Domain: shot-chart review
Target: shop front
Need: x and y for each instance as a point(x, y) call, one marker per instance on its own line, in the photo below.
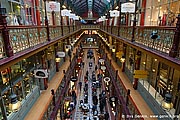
point(18, 85)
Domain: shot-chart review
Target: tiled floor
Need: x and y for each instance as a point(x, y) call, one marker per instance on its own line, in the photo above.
point(40, 106)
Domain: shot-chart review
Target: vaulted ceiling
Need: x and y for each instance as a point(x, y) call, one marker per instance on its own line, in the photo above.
point(83, 7)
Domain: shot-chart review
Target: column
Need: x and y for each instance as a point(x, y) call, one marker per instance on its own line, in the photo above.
point(174, 50)
point(53, 18)
point(124, 55)
point(5, 33)
point(137, 67)
point(143, 6)
point(37, 12)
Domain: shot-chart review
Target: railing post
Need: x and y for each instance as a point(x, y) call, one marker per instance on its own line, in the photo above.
point(174, 50)
point(116, 75)
point(5, 33)
point(127, 97)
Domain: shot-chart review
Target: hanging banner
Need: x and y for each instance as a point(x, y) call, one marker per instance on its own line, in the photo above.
point(65, 12)
point(128, 7)
point(60, 54)
point(114, 13)
point(41, 73)
point(52, 6)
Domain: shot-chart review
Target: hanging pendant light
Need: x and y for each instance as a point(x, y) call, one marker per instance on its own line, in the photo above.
point(167, 102)
point(15, 104)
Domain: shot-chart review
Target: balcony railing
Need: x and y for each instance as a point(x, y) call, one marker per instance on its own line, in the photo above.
point(25, 37)
point(143, 36)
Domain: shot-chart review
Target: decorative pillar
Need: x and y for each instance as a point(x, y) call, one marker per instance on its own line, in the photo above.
point(134, 22)
point(177, 112)
point(119, 117)
point(3, 110)
point(127, 97)
point(116, 75)
point(127, 18)
point(174, 50)
point(53, 18)
point(53, 99)
point(62, 25)
point(142, 12)
point(119, 18)
point(124, 55)
point(44, 65)
point(37, 13)
point(57, 57)
point(64, 50)
point(5, 33)
point(46, 22)
point(137, 67)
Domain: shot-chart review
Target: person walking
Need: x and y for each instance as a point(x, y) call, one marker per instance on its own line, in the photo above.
point(106, 116)
point(80, 85)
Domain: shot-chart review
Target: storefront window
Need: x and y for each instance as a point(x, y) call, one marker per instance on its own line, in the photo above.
point(1, 115)
point(27, 84)
point(6, 99)
point(130, 59)
point(17, 89)
point(161, 12)
point(16, 70)
point(4, 78)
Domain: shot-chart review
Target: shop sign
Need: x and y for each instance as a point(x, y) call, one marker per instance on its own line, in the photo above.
point(68, 47)
point(114, 13)
point(73, 79)
point(140, 74)
point(41, 73)
point(113, 99)
point(65, 12)
point(52, 6)
point(60, 54)
point(101, 60)
point(107, 79)
point(103, 68)
point(128, 7)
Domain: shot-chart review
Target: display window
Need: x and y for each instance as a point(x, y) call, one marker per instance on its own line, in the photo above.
point(130, 59)
point(1, 115)
point(2, 50)
point(160, 79)
point(4, 79)
point(161, 12)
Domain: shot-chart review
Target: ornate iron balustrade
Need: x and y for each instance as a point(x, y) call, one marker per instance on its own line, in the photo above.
point(25, 37)
point(55, 31)
point(163, 43)
point(71, 29)
point(143, 36)
point(65, 30)
point(30, 36)
point(22, 38)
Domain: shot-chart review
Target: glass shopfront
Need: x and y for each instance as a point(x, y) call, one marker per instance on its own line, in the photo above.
point(130, 55)
point(161, 79)
point(18, 79)
point(161, 12)
point(1, 115)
